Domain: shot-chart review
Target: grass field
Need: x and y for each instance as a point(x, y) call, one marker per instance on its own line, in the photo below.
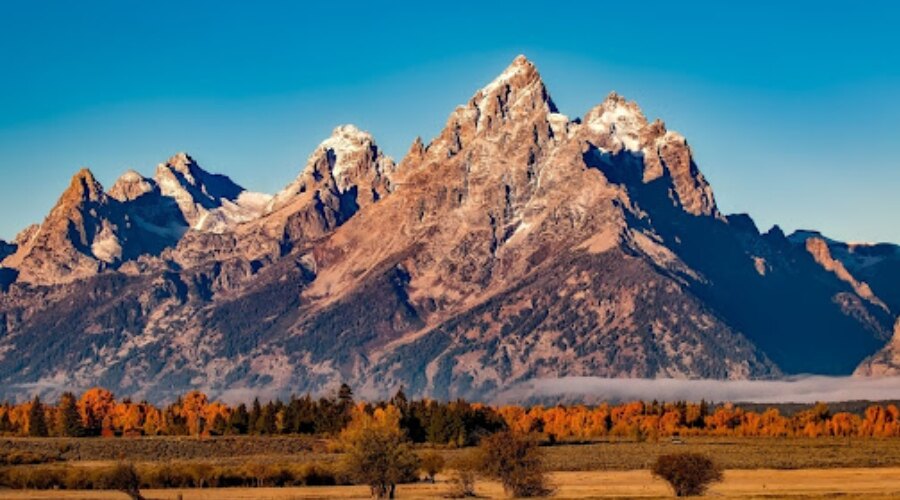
point(731, 453)
point(770, 484)
point(755, 467)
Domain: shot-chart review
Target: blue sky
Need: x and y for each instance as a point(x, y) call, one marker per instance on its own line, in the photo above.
point(791, 110)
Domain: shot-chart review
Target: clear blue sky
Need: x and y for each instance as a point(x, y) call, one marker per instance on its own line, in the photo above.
point(791, 110)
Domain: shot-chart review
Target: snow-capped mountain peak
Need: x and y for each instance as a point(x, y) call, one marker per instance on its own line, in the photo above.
point(130, 186)
point(349, 158)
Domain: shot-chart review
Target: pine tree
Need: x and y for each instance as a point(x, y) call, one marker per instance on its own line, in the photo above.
point(345, 395)
point(266, 423)
point(239, 422)
point(344, 407)
point(255, 414)
point(68, 421)
point(219, 426)
point(400, 401)
point(306, 415)
point(37, 424)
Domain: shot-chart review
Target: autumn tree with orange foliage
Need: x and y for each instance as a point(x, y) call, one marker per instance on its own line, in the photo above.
point(455, 423)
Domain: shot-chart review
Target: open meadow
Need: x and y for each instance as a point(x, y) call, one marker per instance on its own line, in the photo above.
point(615, 468)
point(607, 454)
point(850, 483)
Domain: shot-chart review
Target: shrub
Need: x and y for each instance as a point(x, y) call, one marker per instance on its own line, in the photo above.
point(432, 463)
point(33, 478)
point(168, 476)
point(22, 457)
point(516, 461)
point(689, 474)
point(378, 453)
point(463, 477)
point(124, 478)
point(315, 475)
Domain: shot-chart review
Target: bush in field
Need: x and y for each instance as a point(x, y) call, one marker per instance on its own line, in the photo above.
point(177, 475)
point(689, 474)
point(377, 452)
point(22, 457)
point(432, 463)
point(315, 475)
point(33, 478)
point(462, 479)
point(124, 478)
point(168, 476)
point(516, 461)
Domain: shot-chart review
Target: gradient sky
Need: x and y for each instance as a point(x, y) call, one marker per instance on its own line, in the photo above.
point(791, 110)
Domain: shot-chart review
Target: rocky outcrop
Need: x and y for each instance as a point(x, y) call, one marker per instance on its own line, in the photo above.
point(131, 186)
point(76, 240)
point(344, 174)
point(885, 362)
point(876, 265)
point(818, 248)
point(208, 202)
point(619, 126)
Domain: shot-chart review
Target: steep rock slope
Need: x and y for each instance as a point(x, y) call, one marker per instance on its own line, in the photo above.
point(885, 362)
point(346, 172)
point(90, 230)
point(75, 240)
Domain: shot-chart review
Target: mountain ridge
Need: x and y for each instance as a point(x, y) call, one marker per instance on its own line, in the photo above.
point(516, 244)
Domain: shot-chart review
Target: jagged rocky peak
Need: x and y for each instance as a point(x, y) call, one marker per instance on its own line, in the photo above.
point(73, 239)
point(131, 186)
point(517, 92)
point(619, 126)
point(195, 190)
point(348, 163)
point(78, 203)
point(83, 188)
point(516, 100)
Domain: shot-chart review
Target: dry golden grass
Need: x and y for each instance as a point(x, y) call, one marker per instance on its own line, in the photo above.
point(730, 452)
point(856, 483)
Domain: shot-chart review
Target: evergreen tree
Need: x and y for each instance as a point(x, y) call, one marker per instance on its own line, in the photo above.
point(255, 414)
point(37, 424)
point(219, 425)
point(344, 407)
point(345, 395)
point(239, 421)
point(266, 423)
point(306, 414)
point(400, 401)
point(68, 421)
point(6, 426)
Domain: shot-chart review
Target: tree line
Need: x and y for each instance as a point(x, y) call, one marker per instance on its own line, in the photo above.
point(97, 412)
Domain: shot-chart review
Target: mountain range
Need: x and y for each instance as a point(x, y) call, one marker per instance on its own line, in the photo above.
point(518, 244)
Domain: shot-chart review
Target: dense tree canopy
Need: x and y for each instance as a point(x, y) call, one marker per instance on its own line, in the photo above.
point(455, 423)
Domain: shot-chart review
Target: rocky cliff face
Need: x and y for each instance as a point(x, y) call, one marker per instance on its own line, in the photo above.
point(885, 362)
point(518, 243)
point(76, 240)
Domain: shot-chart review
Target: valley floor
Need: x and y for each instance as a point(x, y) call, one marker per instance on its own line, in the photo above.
point(755, 467)
point(849, 483)
point(606, 454)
